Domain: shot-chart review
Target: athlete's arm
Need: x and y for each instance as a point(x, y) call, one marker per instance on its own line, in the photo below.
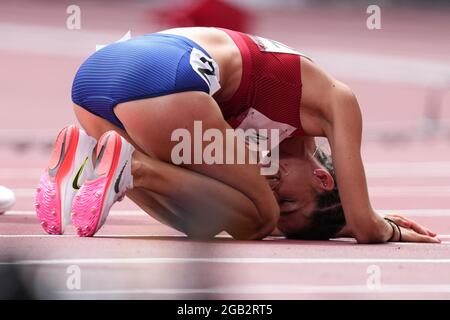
point(344, 134)
point(330, 109)
point(341, 122)
point(411, 231)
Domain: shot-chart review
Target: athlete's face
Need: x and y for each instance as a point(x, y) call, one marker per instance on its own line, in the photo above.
point(295, 186)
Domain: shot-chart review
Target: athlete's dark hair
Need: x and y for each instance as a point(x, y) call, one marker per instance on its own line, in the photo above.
point(328, 218)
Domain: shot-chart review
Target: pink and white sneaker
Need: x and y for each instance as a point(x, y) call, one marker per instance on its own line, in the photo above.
point(112, 178)
point(69, 166)
point(7, 199)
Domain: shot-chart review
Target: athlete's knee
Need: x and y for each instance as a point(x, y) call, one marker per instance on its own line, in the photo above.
point(259, 225)
point(269, 213)
point(200, 234)
point(258, 232)
point(267, 223)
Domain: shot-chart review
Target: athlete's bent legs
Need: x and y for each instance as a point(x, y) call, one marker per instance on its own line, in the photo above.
point(199, 200)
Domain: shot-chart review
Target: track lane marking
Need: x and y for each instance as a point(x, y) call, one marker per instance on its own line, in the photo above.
point(146, 261)
point(432, 169)
point(432, 191)
point(406, 212)
point(152, 235)
point(271, 289)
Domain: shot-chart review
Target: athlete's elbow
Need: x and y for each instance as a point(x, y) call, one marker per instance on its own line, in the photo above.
point(343, 101)
point(345, 94)
point(258, 233)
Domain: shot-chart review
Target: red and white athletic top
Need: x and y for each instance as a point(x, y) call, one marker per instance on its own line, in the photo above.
point(270, 90)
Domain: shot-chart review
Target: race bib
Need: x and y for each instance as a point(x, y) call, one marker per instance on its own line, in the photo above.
point(268, 45)
point(264, 130)
point(206, 68)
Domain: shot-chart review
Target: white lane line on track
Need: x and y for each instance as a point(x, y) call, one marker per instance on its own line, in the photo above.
point(21, 173)
point(417, 212)
point(410, 191)
point(385, 191)
point(153, 235)
point(148, 235)
point(438, 169)
point(270, 289)
point(101, 236)
point(383, 68)
point(443, 237)
point(128, 213)
point(146, 261)
point(408, 169)
point(52, 41)
point(118, 213)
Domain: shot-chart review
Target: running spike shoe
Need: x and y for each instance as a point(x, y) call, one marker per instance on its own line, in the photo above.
point(69, 166)
point(112, 178)
point(7, 199)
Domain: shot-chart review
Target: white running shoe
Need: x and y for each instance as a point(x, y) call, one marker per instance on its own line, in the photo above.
point(7, 199)
point(112, 171)
point(69, 167)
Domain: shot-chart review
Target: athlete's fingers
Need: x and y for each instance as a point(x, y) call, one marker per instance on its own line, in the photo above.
point(408, 223)
point(400, 219)
point(409, 235)
point(428, 239)
point(402, 222)
point(430, 233)
point(413, 225)
point(418, 228)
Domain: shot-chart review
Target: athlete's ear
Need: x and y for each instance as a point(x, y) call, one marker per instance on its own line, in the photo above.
point(322, 180)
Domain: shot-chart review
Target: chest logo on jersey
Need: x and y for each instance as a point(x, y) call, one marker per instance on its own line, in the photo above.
point(206, 68)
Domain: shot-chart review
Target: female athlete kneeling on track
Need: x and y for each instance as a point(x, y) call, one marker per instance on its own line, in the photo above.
point(147, 88)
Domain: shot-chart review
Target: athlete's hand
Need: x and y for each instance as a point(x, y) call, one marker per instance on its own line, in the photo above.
point(411, 224)
point(412, 231)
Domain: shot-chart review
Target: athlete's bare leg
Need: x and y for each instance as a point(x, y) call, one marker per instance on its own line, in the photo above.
point(202, 204)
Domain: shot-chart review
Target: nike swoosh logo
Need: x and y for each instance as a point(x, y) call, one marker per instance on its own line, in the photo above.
point(116, 185)
point(77, 176)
